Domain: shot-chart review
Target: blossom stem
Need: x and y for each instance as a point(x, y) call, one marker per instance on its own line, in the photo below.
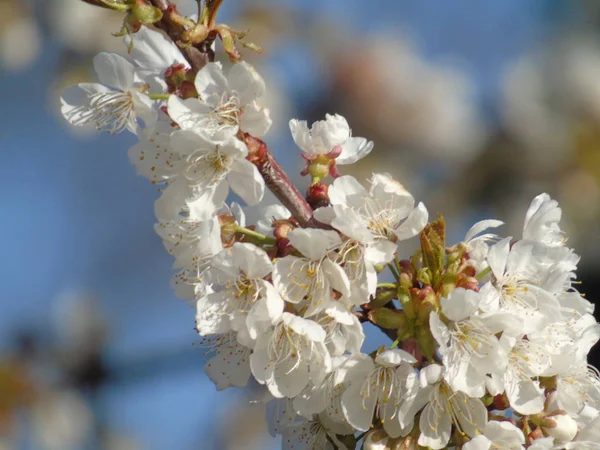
point(483, 273)
point(159, 96)
point(257, 237)
point(280, 184)
point(387, 285)
point(394, 271)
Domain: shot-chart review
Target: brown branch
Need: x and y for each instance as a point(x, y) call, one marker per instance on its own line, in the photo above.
point(280, 184)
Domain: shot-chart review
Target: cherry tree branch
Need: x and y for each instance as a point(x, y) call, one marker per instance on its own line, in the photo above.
point(275, 177)
point(280, 184)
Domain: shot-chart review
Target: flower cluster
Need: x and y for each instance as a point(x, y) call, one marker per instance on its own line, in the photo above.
point(489, 336)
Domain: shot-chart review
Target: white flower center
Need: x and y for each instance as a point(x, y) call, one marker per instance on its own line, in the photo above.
point(526, 355)
point(244, 291)
point(383, 220)
point(311, 282)
point(287, 345)
point(225, 114)
point(110, 111)
point(471, 337)
point(208, 168)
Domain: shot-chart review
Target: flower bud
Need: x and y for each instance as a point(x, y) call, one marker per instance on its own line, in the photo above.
point(146, 14)
point(424, 275)
point(426, 341)
point(406, 280)
point(561, 427)
point(382, 297)
point(281, 228)
point(317, 196)
point(387, 318)
point(501, 402)
point(427, 302)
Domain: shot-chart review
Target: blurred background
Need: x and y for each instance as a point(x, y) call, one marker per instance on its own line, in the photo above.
point(475, 106)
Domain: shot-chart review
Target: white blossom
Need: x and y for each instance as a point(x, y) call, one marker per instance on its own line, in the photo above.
point(445, 408)
point(331, 137)
point(289, 355)
point(226, 104)
point(385, 386)
point(114, 104)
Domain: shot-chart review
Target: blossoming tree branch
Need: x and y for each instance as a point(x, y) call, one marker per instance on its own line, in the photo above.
point(488, 337)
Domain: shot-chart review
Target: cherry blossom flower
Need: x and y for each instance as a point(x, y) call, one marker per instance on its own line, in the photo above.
point(225, 105)
point(114, 104)
point(289, 355)
point(385, 386)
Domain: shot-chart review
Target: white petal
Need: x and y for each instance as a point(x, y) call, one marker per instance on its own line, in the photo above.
point(113, 70)
point(205, 202)
point(313, 243)
point(246, 181)
point(210, 80)
point(358, 410)
point(252, 260)
point(354, 149)
point(343, 187)
point(187, 112)
point(244, 79)
point(478, 443)
point(480, 227)
point(380, 252)
point(337, 276)
point(255, 120)
point(414, 223)
point(498, 256)
point(153, 51)
point(435, 425)
point(304, 327)
point(393, 358)
point(75, 101)
point(460, 304)
point(301, 135)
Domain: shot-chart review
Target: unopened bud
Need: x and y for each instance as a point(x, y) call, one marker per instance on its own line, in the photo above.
point(281, 228)
point(561, 427)
point(424, 275)
point(317, 195)
point(406, 280)
point(427, 302)
point(387, 318)
point(426, 342)
point(382, 297)
point(467, 282)
point(501, 402)
point(405, 266)
point(408, 306)
point(228, 224)
point(411, 345)
point(145, 14)
point(448, 284)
